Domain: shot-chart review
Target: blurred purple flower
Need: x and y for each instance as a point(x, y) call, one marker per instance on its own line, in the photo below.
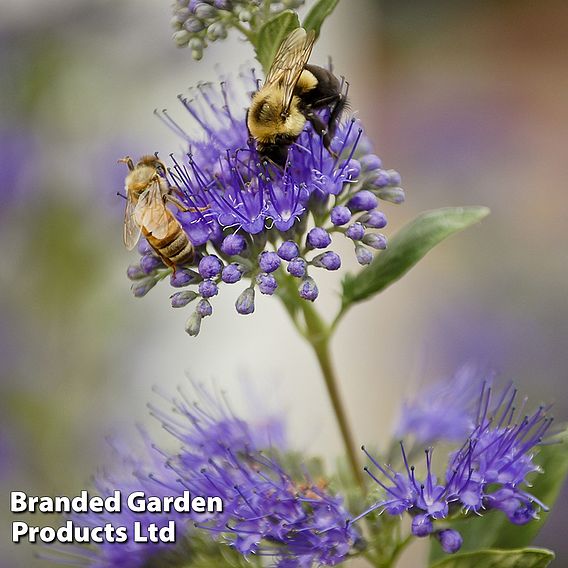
point(20, 175)
point(444, 410)
point(149, 473)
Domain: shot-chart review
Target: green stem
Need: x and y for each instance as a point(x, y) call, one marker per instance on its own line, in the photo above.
point(320, 346)
point(318, 334)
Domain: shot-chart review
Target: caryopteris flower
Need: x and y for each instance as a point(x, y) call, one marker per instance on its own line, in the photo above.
point(267, 510)
point(489, 471)
point(251, 220)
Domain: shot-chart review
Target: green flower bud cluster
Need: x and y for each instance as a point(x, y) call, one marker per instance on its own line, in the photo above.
point(197, 22)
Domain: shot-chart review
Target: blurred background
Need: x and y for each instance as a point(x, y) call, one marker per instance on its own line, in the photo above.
point(467, 100)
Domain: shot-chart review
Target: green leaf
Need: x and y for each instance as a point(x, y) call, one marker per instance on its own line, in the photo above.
point(317, 15)
point(494, 530)
point(271, 35)
point(521, 558)
point(406, 248)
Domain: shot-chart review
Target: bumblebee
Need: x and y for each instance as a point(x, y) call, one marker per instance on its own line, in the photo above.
point(147, 192)
point(292, 93)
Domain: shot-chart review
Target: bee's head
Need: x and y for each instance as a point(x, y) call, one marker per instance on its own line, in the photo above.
point(154, 162)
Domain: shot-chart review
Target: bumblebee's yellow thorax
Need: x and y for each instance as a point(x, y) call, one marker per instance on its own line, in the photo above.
point(265, 120)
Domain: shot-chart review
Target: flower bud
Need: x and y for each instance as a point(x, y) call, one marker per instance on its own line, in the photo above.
point(340, 215)
point(231, 274)
point(144, 248)
point(288, 250)
point(376, 241)
point(374, 219)
point(135, 272)
point(394, 177)
point(297, 267)
point(350, 170)
point(193, 324)
point(266, 284)
point(181, 278)
point(392, 194)
point(210, 266)
point(216, 30)
point(450, 539)
point(363, 201)
point(182, 38)
point(329, 260)
point(422, 526)
point(233, 245)
point(318, 238)
point(181, 299)
point(356, 231)
point(308, 289)
point(150, 262)
point(208, 288)
point(380, 179)
point(371, 162)
point(204, 308)
point(204, 11)
point(193, 25)
point(245, 302)
point(141, 287)
point(364, 256)
point(268, 261)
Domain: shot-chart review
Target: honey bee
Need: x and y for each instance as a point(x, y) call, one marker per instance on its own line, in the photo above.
point(147, 192)
point(293, 90)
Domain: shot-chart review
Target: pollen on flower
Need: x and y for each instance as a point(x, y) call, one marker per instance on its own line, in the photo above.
point(249, 219)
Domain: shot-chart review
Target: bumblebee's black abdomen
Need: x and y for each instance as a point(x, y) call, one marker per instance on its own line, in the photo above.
point(327, 87)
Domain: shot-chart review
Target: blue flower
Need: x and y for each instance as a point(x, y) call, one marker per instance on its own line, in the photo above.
point(489, 471)
point(248, 218)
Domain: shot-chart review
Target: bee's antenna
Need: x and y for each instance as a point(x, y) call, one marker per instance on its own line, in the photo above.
point(121, 195)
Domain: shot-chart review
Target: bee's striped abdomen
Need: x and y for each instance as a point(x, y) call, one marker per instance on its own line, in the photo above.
point(175, 248)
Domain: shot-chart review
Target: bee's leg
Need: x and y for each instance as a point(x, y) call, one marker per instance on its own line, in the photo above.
point(322, 130)
point(175, 201)
point(128, 161)
point(336, 113)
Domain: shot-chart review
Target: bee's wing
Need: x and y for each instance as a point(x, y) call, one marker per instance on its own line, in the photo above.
point(132, 229)
point(151, 211)
point(289, 62)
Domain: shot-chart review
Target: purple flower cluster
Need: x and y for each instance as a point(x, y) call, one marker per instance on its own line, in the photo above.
point(198, 21)
point(488, 472)
point(249, 219)
point(267, 510)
